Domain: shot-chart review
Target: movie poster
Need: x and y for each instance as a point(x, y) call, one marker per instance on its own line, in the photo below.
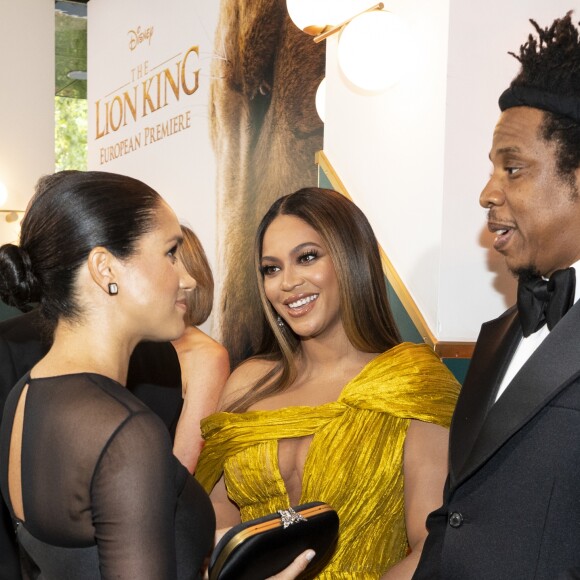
point(214, 106)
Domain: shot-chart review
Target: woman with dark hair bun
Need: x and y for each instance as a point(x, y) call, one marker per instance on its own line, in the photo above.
point(335, 407)
point(86, 469)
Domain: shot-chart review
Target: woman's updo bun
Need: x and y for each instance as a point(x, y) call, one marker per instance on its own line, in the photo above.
point(19, 286)
point(71, 213)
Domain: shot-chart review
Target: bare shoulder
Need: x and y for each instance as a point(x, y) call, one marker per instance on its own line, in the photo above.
point(243, 378)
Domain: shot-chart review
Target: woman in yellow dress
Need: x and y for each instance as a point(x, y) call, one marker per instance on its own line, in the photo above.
point(335, 407)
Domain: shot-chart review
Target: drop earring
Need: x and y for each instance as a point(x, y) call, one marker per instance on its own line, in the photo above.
point(113, 288)
point(280, 321)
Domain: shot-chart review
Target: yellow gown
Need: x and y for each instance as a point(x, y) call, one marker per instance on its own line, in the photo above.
point(355, 459)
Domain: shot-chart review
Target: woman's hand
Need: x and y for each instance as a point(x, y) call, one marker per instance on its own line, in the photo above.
point(296, 568)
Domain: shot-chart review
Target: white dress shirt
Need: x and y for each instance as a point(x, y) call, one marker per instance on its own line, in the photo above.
point(529, 344)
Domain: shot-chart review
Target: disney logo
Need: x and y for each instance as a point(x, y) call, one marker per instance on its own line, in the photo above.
point(136, 37)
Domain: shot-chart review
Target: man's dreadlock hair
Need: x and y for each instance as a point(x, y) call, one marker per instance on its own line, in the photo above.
point(552, 63)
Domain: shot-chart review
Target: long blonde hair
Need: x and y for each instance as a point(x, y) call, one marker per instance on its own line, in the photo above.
point(200, 301)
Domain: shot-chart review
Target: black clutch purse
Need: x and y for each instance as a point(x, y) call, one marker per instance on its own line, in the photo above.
point(263, 547)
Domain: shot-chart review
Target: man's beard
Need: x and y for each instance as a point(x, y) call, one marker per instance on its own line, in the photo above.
point(526, 273)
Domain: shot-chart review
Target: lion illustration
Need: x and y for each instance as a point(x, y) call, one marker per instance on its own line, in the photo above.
point(265, 132)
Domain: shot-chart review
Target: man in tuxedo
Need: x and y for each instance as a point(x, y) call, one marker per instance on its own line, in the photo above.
point(154, 377)
point(512, 499)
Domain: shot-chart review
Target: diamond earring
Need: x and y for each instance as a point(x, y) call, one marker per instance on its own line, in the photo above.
point(280, 321)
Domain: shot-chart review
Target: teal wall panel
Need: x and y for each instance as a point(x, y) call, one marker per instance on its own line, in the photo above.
point(323, 180)
point(458, 366)
point(406, 327)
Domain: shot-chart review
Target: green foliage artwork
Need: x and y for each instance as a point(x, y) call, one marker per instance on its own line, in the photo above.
point(70, 137)
point(71, 92)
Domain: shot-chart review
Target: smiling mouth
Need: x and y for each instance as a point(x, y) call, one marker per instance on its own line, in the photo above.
point(303, 301)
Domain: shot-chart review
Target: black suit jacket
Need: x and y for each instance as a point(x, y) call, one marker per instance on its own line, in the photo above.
point(154, 376)
point(512, 499)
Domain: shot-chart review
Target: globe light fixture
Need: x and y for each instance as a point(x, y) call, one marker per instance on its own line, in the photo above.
point(370, 50)
point(308, 15)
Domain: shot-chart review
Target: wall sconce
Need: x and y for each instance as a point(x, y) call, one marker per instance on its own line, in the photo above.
point(329, 30)
point(369, 48)
point(12, 215)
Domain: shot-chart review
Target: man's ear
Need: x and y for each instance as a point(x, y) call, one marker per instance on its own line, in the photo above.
point(101, 265)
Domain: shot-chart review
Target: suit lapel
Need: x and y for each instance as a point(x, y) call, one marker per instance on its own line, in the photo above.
point(495, 346)
point(551, 368)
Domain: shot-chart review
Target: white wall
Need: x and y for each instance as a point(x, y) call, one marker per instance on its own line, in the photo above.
point(416, 157)
point(26, 101)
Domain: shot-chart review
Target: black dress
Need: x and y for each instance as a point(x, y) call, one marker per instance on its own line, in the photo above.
point(102, 493)
point(154, 377)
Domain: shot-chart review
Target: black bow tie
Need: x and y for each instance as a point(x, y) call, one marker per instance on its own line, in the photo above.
point(545, 301)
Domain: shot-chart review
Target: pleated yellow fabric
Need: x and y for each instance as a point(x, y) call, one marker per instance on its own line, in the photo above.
point(355, 459)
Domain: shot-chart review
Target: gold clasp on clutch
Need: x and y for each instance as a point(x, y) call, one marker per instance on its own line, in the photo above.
point(290, 517)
